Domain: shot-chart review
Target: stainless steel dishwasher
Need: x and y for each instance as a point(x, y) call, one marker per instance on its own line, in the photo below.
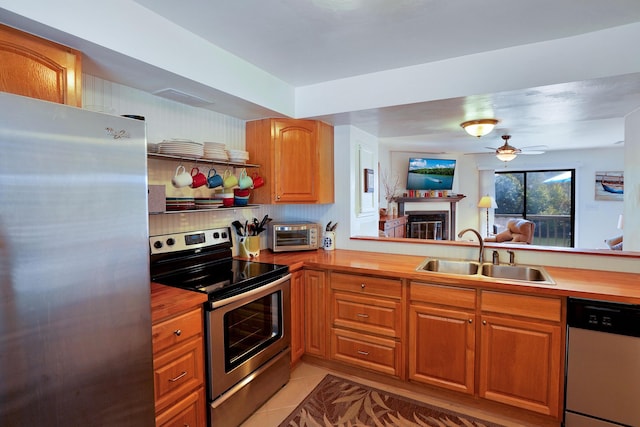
point(603, 364)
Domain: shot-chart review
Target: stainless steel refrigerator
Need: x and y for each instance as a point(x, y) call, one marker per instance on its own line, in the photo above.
point(75, 322)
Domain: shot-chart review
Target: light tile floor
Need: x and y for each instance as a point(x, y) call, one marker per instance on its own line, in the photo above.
point(305, 377)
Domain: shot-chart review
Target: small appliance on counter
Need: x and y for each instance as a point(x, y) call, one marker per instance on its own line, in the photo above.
point(294, 236)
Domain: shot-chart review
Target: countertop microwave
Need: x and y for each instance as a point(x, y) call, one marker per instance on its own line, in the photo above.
point(294, 236)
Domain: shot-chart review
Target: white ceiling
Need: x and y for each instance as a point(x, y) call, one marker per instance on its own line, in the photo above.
point(311, 42)
point(306, 42)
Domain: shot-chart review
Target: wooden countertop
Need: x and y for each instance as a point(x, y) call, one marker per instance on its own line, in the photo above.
point(167, 301)
point(592, 284)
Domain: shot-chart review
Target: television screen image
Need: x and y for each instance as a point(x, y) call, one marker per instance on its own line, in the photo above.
point(430, 174)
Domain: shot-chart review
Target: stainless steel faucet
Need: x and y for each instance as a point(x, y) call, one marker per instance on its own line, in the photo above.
point(481, 254)
point(496, 258)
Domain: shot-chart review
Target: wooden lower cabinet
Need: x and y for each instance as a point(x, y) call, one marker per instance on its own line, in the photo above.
point(186, 412)
point(500, 346)
point(442, 338)
point(315, 318)
point(521, 358)
point(297, 316)
point(178, 357)
point(367, 317)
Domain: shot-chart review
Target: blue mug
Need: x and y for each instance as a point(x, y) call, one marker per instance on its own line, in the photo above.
point(215, 180)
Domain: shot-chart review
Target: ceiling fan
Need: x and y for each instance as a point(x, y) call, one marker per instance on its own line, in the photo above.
point(507, 152)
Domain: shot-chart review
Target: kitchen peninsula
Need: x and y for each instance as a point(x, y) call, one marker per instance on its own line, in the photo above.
point(366, 312)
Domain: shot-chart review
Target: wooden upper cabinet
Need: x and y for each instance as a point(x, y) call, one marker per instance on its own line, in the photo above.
point(296, 158)
point(39, 68)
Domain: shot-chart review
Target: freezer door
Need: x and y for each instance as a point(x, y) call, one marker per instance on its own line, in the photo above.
point(75, 323)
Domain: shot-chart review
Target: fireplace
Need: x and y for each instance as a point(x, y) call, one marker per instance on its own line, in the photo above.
point(428, 225)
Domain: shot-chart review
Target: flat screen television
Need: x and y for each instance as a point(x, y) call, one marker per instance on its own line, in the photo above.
point(430, 174)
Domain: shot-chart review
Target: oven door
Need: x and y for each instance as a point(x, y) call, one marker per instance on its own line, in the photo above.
point(245, 332)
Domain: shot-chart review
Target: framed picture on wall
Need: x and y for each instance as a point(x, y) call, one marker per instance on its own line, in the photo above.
point(368, 180)
point(609, 185)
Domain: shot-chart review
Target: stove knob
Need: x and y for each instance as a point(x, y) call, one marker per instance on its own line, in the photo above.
point(171, 241)
point(216, 235)
point(224, 234)
point(157, 244)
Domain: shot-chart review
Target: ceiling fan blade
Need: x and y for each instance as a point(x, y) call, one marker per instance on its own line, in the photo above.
point(536, 147)
point(530, 152)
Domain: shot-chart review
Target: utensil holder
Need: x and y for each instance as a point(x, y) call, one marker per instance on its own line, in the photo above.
point(250, 247)
point(329, 240)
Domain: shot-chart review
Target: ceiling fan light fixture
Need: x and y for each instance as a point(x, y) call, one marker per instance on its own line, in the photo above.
point(506, 153)
point(506, 157)
point(479, 127)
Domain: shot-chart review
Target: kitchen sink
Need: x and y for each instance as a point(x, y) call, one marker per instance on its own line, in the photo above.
point(466, 268)
point(516, 272)
point(521, 273)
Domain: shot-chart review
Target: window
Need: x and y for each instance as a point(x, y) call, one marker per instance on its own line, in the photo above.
point(545, 197)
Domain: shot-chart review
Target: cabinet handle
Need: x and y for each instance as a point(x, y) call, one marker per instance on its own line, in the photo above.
point(364, 353)
point(177, 332)
point(173, 380)
point(362, 315)
point(470, 320)
point(362, 285)
point(484, 322)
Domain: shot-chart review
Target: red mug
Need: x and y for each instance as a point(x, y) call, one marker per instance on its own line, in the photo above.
point(199, 179)
point(258, 181)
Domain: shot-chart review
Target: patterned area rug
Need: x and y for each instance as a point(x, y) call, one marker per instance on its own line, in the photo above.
point(340, 402)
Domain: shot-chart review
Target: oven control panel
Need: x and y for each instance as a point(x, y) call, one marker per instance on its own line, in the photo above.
point(175, 242)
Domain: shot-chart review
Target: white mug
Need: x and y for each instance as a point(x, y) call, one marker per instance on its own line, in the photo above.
point(182, 178)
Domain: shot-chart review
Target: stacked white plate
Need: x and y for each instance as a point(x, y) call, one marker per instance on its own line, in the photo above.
point(181, 147)
point(215, 151)
point(238, 156)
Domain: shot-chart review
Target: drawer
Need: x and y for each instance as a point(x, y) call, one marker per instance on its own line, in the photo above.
point(177, 372)
point(190, 411)
point(378, 354)
point(445, 295)
point(367, 285)
point(176, 330)
point(368, 314)
point(544, 308)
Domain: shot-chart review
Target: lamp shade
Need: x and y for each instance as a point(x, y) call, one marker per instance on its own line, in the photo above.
point(487, 202)
point(479, 127)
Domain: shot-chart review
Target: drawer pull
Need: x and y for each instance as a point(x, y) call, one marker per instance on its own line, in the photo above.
point(182, 375)
point(177, 332)
point(470, 320)
point(364, 353)
point(362, 315)
point(362, 285)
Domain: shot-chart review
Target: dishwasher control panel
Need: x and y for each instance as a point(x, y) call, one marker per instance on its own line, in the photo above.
point(616, 318)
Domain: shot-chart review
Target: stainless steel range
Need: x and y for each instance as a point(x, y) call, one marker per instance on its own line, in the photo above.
point(246, 320)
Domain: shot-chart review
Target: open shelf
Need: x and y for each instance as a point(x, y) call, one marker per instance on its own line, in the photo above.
point(201, 160)
point(219, 208)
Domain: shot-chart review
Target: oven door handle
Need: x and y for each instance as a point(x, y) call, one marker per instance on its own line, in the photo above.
point(249, 294)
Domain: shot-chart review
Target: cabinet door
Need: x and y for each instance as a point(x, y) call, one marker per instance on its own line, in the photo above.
point(39, 68)
point(442, 347)
point(520, 363)
point(315, 319)
point(296, 161)
point(297, 316)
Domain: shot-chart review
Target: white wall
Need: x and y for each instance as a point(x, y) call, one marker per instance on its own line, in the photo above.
point(632, 182)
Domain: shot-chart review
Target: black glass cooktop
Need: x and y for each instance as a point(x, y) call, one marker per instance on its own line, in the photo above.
point(223, 278)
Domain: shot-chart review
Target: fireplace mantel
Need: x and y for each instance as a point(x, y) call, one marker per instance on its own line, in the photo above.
point(452, 210)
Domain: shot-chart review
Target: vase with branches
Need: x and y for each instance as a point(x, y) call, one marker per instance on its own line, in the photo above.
point(391, 186)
